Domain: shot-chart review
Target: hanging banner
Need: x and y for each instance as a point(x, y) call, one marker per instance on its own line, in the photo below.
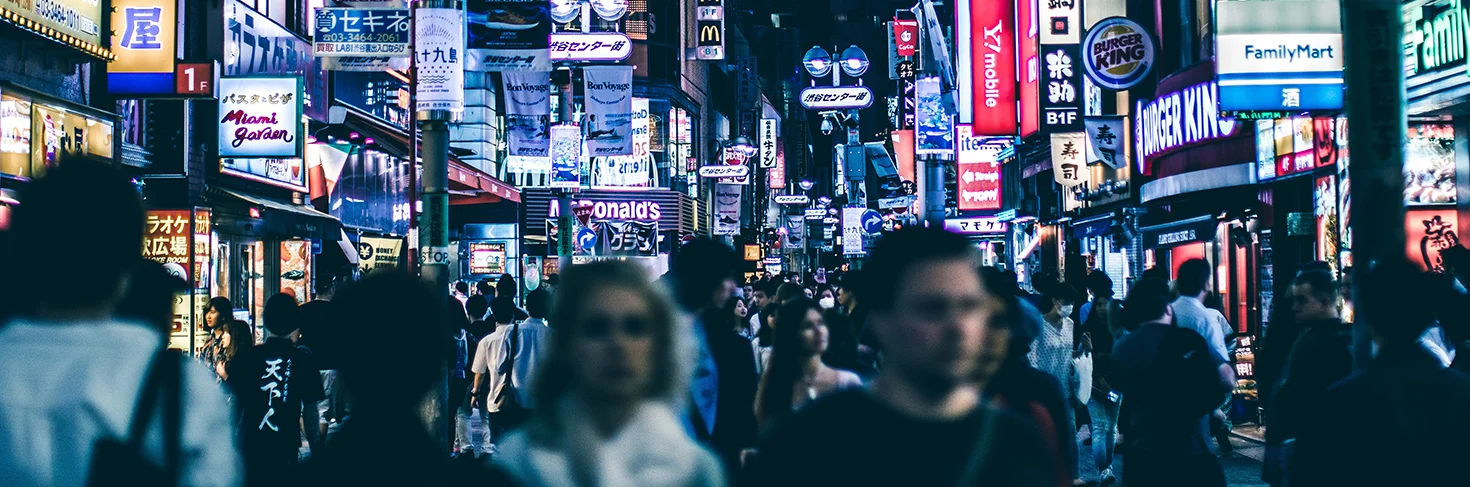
point(1105, 137)
point(727, 209)
point(626, 238)
point(260, 117)
point(935, 132)
point(852, 230)
point(362, 32)
point(509, 35)
point(992, 43)
point(903, 154)
point(978, 164)
point(439, 37)
point(906, 37)
point(629, 171)
point(527, 112)
point(768, 143)
point(609, 102)
point(566, 155)
point(1068, 158)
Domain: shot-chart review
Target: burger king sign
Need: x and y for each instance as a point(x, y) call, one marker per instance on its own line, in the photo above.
point(1118, 53)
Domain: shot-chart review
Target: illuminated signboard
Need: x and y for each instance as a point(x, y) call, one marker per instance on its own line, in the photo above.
point(260, 117)
point(487, 258)
point(145, 34)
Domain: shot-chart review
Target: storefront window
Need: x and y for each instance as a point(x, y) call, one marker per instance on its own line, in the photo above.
point(296, 269)
point(15, 136)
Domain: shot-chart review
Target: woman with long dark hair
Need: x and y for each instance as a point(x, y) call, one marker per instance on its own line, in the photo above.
point(795, 373)
point(218, 316)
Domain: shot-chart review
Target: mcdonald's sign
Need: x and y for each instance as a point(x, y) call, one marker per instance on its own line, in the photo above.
point(711, 29)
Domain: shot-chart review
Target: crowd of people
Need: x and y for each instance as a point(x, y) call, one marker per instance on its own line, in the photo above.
point(919, 369)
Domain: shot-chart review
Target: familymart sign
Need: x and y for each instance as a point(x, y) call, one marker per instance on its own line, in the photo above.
point(1434, 35)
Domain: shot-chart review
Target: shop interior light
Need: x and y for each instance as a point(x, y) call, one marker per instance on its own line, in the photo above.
point(354, 136)
point(369, 141)
point(817, 61)
point(854, 61)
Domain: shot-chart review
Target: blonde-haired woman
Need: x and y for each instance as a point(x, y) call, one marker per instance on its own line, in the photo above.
point(608, 391)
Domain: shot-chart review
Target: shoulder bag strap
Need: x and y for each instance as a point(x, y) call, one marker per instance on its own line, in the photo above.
point(508, 365)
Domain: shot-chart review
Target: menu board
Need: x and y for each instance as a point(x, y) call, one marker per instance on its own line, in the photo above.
point(487, 258)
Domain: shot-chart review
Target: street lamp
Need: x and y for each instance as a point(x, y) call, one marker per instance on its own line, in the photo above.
point(817, 62)
point(854, 61)
point(806, 184)
point(743, 144)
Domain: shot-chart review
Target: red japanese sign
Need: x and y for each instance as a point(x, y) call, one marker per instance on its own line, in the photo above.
point(1427, 233)
point(993, 67)
point(903, 154)
point(978, 167)
point(906, 36)
point(166, 240)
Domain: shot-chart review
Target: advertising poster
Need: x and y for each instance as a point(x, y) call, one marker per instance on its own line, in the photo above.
point(935, 132)
point(527, 112)
point(1068, 159)
point(1304, 157)
point(1291, 64)
point(852, 231)
point(509, 35)
point(1324, 197)
point(362, 32)
point(296, 269)
point(1429, 165)
point(15, 136)
point(1105, 136)
point(609, 104)
point(627, 238)
point(1265, 150)
point(260, 117)
point(566, 155)
point(375, 254)
point(1325, 140)
point(487, 258)
point(727, 209)
point(978, 161)
point(634, 171)
point(1427, 232)
point(992, 41)
point(1285, 147)
point(438, 37)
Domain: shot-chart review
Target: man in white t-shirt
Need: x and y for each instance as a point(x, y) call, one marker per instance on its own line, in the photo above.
point(489, 353)
point(70, 370)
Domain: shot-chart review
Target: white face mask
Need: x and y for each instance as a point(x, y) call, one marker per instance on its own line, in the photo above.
point(827, 303)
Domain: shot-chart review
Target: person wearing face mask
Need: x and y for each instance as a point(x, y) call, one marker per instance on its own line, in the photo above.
point(1052, 352)
point(826, 298)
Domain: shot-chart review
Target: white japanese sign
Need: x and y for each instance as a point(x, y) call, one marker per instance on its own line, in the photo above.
point(439, 44)
point(260, 117)
point(724, 171)
point(596, 46)
point(852, 231)
point(836, 97)
point(361, 32)
point(1069, 158)
point(768, 143)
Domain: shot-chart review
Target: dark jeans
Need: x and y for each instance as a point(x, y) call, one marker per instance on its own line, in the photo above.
point(1157, 469)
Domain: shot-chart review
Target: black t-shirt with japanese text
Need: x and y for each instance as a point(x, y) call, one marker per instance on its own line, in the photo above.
point(271, 383)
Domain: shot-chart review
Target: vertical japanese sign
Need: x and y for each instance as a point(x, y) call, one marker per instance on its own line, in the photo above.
point(978, 164)
point(1028, 30)
point(509, 35)
point(727, 209)
point(1062, 22)
point(146, 35)
point(527, 112)
point(361, 32)
point(992, 42)
point(1061, 106)
point(1069, 158)
point(852, 231)
point(439, 40)
point(903, 154)
point(709, 26)
point(260, 117)
point(166, 241)
point(566, 156)
point(1105, 136)
point(935, 131)
point(768, 143)
point(609, 102)
point(777, 174)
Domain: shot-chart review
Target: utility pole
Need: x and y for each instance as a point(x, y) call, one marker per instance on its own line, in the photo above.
point(566, 236)
point(1372, 38)
point(433, 232)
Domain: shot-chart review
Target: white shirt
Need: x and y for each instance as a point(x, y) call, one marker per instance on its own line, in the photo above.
point(1052, 353)
point(64, 387)
point(488, 355)
point(1191, 313)
point(532, 347)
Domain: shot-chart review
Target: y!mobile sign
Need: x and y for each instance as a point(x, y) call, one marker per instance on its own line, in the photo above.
point(260, 117)
point(978, 163)
point(1294, 64)
point(992, 45)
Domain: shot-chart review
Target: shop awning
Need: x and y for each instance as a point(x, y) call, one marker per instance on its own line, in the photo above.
point(348, 249)
point(474, 179)
point(1202, 180)
point(1180, 232)
point(290, 220)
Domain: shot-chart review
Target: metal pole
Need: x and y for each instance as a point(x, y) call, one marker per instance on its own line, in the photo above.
point(564, 221)
point(934, 191)
point(1372, 35)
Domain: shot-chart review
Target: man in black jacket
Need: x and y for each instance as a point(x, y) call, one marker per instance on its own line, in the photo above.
point(1400, 421)
point(1319, 358)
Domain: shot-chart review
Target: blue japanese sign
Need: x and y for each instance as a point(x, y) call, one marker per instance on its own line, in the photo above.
point(342, 32)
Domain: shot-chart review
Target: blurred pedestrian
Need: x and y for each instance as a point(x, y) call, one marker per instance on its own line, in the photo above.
point(73, 375)
point(461, 291)
point(1054, 353)
point(217, 317)
point(385, 441)
point(1321, 356)
point(722, 393)
point(460, 359)
point(276, 387)
point(608, 389)
point(1015, 386)
point(1170, 383)
point(795, 374)
point(826, 297)
point(1399, 421)
point(923, 422)
point(488, 367)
